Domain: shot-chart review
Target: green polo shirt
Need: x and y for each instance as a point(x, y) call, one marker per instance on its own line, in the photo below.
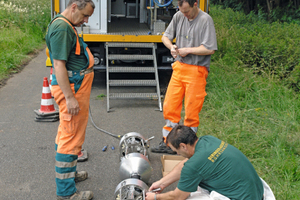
point(219, 166)
point(61, 42)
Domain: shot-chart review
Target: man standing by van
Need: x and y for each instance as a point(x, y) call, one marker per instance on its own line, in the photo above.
point(71, 88)
point(195, 43)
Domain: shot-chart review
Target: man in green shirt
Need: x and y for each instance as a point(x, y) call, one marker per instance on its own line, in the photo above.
point(71, 88)
point(211, 164)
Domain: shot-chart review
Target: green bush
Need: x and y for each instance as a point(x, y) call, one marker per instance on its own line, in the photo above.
point(268, 49)
point(284, 11)
point(293, 79)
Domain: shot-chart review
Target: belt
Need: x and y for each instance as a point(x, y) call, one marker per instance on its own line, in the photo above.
point(81, 72)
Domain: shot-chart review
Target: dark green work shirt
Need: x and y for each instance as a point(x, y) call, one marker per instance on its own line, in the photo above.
point(219, 166)
point(61, 42)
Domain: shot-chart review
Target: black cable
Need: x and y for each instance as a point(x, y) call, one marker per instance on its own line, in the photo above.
point(104, 131)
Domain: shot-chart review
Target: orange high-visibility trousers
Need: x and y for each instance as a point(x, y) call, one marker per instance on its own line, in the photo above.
point(71, 130)
point(187, 82)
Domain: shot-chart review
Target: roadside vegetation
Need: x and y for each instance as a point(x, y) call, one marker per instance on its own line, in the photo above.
point(22, 29)
point(253, 96)
point(253, 87)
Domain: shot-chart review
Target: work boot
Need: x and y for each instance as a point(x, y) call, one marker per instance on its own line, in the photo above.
point(162, 148)
point(81, 176)
point(82, 156)
point(84, 195)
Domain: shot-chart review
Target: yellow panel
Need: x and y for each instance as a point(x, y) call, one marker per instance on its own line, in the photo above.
point(56, 6)
point(202, 5)
point(121, 38)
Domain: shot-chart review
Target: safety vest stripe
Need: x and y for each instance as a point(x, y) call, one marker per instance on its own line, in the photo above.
point(46, 102)
point(65, 164)
point(66, 175)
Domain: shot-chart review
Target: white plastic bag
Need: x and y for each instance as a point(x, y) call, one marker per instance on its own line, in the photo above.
point(268, 193)
point(202, 194)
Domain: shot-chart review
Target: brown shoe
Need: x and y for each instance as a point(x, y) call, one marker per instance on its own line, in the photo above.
point(81, 176)
point(84, 195)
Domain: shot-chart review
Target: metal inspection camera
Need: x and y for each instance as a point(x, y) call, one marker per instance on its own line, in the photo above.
point(134, 142)
point(135, 169)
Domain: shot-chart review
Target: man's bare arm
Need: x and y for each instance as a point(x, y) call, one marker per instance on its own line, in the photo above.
point(201, 50)
point(64, 84)
point(168, 43)
point(172, 195)
point(167, 180)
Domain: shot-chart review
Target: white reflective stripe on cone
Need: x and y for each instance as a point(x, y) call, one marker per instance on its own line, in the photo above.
point(46, 102)
point(46, 90)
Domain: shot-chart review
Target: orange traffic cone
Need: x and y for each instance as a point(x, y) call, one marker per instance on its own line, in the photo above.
point(47, 112)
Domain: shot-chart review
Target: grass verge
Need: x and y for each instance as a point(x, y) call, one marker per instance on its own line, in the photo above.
point(260, 117)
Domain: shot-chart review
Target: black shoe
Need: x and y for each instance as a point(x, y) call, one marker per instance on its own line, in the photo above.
point(162, 148)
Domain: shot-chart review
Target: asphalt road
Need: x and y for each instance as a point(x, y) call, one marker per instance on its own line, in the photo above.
point(27, 147)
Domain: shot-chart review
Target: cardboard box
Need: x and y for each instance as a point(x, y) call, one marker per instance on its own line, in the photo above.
point(169, 162)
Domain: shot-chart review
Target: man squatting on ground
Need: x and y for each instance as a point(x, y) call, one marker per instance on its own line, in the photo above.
point(195, 43)
point(211, 164)
point(71, 88)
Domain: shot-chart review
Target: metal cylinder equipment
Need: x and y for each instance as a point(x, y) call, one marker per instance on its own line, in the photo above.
point(135, 165)
point(135, 169)
point(134, 142)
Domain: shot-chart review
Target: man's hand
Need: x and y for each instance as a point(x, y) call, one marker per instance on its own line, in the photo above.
point(157, 185)
point(150, 196)
point(61, 74)
point(183, 52)
point(174, 51)
point(72, 105)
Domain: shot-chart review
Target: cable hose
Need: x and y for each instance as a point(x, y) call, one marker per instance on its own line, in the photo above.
point(104, 131)
point(162, 5)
